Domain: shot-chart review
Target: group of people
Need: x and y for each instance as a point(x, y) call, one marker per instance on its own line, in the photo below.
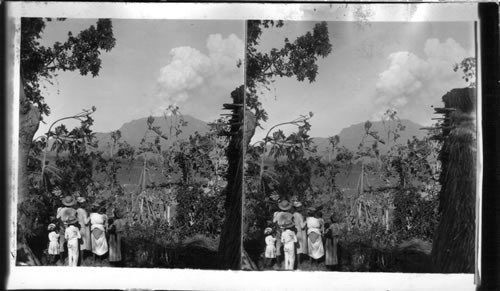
point(75, 233)
point(291, 238)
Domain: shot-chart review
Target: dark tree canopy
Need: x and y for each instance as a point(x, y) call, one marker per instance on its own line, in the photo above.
point(294, 58)
point(40, 64)
point(297, 58)
point(80, 52)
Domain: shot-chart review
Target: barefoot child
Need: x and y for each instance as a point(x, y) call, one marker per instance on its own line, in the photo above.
point(53, 243)
point(270, 254)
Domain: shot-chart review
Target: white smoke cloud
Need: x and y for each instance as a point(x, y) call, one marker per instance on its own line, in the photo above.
point(190, 71)
point(412, 84)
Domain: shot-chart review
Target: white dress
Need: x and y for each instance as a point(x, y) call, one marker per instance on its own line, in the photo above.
point(270, 247)
point(98, 228)
point(314, 241)
point(53, 243)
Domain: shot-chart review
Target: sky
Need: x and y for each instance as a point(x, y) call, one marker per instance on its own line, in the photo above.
point(374, 66)
point(155, 63)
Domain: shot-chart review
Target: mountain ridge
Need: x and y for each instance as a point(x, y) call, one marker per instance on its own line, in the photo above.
point(351, 136)
point(133, 131)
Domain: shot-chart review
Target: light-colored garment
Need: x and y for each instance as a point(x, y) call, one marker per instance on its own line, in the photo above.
point(64, 214)
point(73, 252)
point(53, 243)
point(281, 218)
point(84, 221)
point(300, 225)
point(313, 222)
point(115, 244)
point(98, 228)
point(270, 247)
point(288, 238)
point(331, 245)
point(314, 241)
point(72, 234)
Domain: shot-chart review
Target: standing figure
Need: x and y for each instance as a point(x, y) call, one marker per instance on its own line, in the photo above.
point(65, 214)
point(282, 218)
point(288, 238)
point(98, 227)
point(270, 253)
point(84, 221)
point(315, 230)
point(53, 243)
point(332, 258)
point(300, 226)
point(115, 237)
point(72, 235)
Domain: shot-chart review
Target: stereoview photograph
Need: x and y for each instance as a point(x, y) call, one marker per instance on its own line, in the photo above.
point(125, 128)
point(363, 155)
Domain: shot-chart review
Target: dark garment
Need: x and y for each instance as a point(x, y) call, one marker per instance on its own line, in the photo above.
point(331, 245)
point(115, 238)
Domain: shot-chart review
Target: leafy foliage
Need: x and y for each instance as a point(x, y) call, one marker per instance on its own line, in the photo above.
point(468, 67)
point(40, 63)
point(415, 216)
point(297, 58)
point(195, 170)
point(70, 170)
point(199, 213)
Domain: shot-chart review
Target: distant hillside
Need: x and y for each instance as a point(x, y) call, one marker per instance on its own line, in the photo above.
point(351, 136)
point(133, 131)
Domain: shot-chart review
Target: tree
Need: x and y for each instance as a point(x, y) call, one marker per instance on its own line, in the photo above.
point(295, 59)
point(40, 64)
point(468, 68)
point(453, 244)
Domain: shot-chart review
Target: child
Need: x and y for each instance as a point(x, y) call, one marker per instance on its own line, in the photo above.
point(270, 254)
point(53, 243)
point(288, 238)
point(72, 235)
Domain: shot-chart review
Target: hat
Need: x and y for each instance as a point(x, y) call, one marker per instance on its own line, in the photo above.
point(288, 224)
point(51, 226)
point(57, 191)
point(71, 220)
point(268, 230)
point(274, 195)
point(69, 200)
point(285, 205)
point(297, 204)
point(96, 205)
point(80, 200)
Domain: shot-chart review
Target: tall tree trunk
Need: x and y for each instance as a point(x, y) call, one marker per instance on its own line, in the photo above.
point(453, 244)
point(241, 132)
point(29, 121)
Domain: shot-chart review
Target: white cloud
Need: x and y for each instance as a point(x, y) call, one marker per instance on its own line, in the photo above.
point(187, 70)
point(411, 84)
point(190, 71)
point(225, 53)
